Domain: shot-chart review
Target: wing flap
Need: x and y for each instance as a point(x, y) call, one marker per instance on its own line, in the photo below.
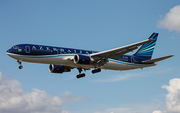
point(156, 59)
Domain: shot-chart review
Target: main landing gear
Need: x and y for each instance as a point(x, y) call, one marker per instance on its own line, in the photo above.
point(20, 63)
point(80, 75)
point(83, 75)
point(96, 70)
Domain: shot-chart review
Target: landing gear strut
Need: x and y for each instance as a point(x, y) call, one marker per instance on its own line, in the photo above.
point(80, 75)
point(20, 63)
point(96, 70)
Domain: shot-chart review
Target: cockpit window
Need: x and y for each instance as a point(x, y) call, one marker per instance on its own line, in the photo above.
point(15, 47)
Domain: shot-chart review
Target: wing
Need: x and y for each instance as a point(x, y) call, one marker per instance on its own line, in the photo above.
point(114, 53)
point(101, 58)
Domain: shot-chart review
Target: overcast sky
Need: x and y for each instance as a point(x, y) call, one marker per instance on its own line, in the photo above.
point(92, 25)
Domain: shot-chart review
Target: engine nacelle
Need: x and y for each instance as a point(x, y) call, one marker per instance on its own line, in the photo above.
point(58, 68)
point(82, 59)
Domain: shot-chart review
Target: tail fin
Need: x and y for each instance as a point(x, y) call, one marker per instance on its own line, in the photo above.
point(146, 50)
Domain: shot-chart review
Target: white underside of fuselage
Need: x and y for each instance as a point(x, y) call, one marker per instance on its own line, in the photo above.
point(63, 59)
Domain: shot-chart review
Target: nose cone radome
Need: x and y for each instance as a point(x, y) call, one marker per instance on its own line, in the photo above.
point(8, 52)
point(11, 53)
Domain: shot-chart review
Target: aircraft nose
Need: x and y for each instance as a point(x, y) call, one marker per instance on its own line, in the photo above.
point(7, 51)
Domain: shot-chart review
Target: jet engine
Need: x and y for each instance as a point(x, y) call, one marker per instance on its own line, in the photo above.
point(82, 59)
point(58, 68)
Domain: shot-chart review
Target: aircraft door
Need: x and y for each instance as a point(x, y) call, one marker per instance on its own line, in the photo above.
point(58, 51)
point(27, 49)
point(133, 60)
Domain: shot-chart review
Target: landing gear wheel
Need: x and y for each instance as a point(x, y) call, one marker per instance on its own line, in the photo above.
point(96, 70)
point(80, 75)
point(20, 62)
point(93, 71)
point(20, 67)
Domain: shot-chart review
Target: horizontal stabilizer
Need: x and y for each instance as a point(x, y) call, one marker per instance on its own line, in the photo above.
point(156, 59)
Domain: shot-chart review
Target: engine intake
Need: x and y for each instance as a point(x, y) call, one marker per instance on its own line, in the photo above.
point(82, 59)
point(58, 68)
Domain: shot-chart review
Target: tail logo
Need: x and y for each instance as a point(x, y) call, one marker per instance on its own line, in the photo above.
point(147, 49)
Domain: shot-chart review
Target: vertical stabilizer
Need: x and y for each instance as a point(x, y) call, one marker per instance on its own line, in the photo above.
point(146, 50)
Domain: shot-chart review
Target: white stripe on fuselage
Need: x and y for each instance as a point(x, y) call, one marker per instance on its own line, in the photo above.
point(61, 59)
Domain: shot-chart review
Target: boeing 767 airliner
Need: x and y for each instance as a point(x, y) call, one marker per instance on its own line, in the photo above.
point(65, 59)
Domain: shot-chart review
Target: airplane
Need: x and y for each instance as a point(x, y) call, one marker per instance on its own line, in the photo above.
point(62, 59)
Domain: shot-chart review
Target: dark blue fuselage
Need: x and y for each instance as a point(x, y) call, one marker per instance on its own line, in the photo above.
point(36, 50)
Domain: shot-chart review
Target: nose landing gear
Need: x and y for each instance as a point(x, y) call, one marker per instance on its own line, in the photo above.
point(20, 67)
point(20, 63)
